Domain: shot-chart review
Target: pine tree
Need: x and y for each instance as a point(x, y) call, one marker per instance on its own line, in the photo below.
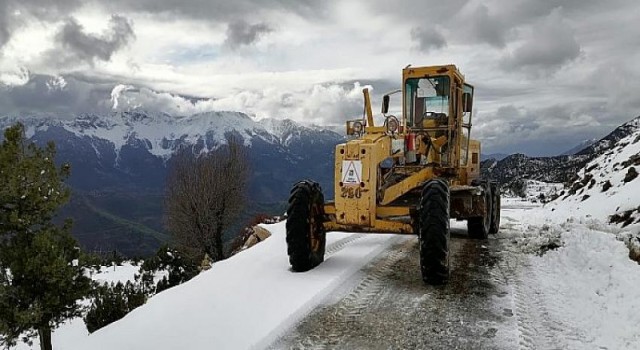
point(41, 277)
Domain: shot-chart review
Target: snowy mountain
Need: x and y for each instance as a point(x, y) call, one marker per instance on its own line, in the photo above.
point(496, 156)
point(162, 134)
point(119, 163)
point(557, 169)
point(579, 147)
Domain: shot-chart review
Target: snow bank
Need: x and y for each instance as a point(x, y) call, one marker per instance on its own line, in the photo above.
point(242, 302)
point(591, 284)
point(588, 285)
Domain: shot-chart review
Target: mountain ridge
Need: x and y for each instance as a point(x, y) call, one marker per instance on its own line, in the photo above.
point(119, 164)
point(561, 168)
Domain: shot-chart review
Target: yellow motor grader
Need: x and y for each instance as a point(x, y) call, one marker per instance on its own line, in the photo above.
point(408, 176)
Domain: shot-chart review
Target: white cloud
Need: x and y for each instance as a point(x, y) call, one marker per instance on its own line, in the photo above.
point(322, 104)
point(56, 83)
point(14, 77)
point(579, 56)
point(116, 94)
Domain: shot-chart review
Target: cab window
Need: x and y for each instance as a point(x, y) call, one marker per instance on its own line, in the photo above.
point(426, 98)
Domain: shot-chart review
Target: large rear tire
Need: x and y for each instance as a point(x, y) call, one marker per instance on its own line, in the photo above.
point(478, 227)
point(433, 227)
point(306, 237)
point(495, 217)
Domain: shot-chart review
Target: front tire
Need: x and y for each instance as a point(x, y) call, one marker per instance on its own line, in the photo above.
point(306, 237)
point(495, 217)
point(433, 230)
point(479, 227)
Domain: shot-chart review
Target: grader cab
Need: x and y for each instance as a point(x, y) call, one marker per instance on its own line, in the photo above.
point(407, 176)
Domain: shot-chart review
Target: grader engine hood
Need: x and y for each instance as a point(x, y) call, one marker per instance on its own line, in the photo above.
point(356, 168)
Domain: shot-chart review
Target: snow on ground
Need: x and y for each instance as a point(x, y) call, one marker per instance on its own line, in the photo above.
point(591, 283)
point(536, 190)
point(588, 285)
point(74, 331)
point(574, 265)
point(243, 302)
point(123, 273)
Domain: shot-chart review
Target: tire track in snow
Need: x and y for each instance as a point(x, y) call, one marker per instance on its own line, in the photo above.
point(352, 306)
point(404, 313)
point(372, 285)
point(537, 325)
point(341, 243)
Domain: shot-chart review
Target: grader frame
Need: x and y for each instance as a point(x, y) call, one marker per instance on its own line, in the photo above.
point(408, 176)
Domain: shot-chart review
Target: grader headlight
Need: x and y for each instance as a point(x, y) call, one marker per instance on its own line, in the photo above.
point(355, 127)
point(391, 125)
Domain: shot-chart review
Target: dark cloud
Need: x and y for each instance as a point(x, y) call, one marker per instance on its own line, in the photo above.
point(240, 33)
point(539, 132)
point(219, 10)
point(57, 96)
point(428, 38)
point(5, 24)
point(419, 12)
point(13, 12)
point(488, 28)
point(551, 45)
point(77, 46)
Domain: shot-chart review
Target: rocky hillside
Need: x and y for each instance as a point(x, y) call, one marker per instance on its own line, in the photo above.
point(607, 187)
point(558, 169)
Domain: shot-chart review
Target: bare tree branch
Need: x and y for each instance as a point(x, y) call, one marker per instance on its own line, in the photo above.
point(205, 195)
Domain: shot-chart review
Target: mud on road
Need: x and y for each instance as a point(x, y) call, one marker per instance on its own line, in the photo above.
point(389, 307)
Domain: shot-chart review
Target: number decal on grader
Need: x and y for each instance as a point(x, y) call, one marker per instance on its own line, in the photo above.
point(351, 192)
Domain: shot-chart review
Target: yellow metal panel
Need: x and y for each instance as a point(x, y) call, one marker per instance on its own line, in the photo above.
point(380, 226)
point(383, 212)
point(406, 185)
point(375, 130)
point(330, 208)
point(355, 203)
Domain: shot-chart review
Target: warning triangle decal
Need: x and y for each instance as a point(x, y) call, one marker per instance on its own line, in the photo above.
point(351, 173)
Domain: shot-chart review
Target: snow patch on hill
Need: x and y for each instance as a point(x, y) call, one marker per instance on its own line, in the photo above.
point(532, 190)
point(606, 187)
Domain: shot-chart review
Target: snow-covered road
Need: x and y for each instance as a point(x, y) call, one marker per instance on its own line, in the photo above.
point(538, 284)
point(541, 283)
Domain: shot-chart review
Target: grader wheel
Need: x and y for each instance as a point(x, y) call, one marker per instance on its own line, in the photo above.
point(495, 217)
point(434, 232)
point(306, 237)
point(479, 227)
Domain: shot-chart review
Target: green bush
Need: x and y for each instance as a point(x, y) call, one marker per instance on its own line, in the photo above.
point(179, 269)
point(112, 302)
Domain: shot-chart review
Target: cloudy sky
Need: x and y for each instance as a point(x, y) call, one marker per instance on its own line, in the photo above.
point(548, 73)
